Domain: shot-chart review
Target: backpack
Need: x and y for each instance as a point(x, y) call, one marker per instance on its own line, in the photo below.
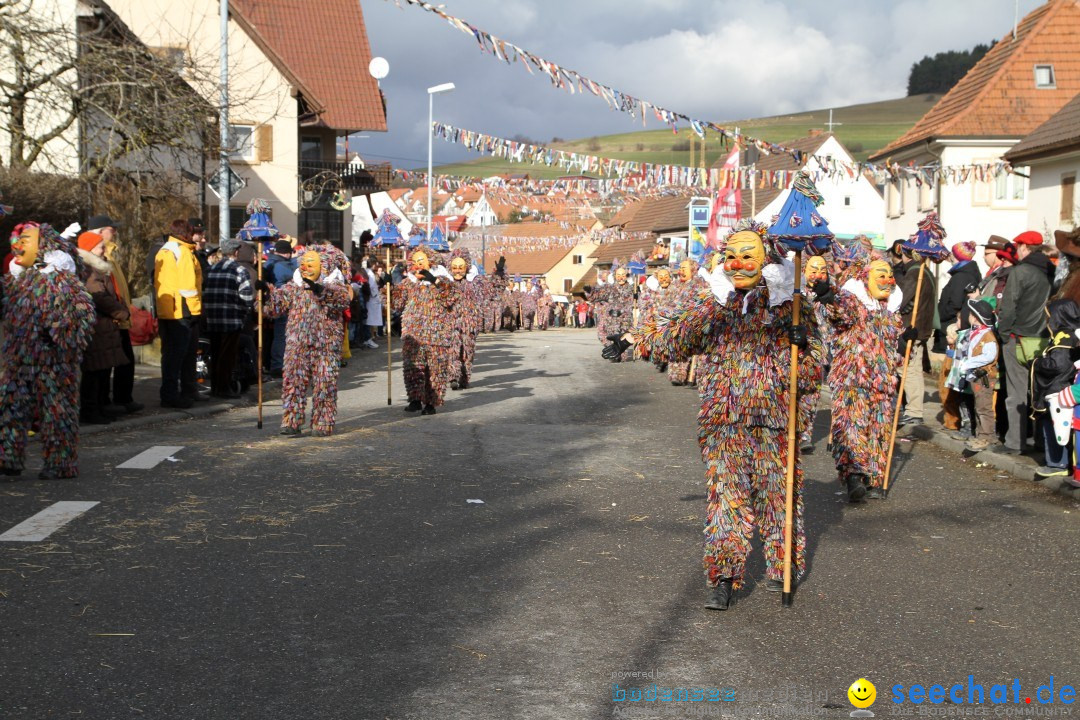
point(144, 326)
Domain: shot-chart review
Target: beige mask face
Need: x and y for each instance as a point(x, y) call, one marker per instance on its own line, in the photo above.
point(420, 261)
point(311, 266)
point(25, 247)
point(620, 276)
point(816, 269)
point(686, 271)
point(880, 282)
point(663, 277)
point(459, 268)
point(743, 259)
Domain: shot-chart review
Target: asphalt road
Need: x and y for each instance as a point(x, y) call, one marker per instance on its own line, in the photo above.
point(351, 577)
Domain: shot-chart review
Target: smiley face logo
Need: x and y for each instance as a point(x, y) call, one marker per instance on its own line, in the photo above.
point(862, 693)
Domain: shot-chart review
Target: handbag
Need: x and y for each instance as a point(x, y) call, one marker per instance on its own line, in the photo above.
point(1030, 347)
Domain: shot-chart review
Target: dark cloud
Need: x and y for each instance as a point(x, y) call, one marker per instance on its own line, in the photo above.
point(720, 60)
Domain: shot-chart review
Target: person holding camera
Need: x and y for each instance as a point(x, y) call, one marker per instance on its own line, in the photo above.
point(964, 278)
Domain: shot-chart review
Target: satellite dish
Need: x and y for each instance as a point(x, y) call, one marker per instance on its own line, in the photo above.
point(378, 67)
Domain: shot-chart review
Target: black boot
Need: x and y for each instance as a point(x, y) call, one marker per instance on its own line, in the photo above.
point(290, 432)
point(856, 488)
point(720, 597)
point(875, 493)
point(454, 385)
point(413, 406)
point(775, 585)
point(428, 410)
point(10, 474)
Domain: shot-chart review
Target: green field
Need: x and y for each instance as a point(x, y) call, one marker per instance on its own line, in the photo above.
point(863, 129)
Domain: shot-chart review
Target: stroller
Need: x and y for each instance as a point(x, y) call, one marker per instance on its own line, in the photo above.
point(244, 374)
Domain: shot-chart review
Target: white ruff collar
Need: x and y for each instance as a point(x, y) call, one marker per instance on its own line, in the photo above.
point(858, 288)
point(334, 278)
point(779, 278)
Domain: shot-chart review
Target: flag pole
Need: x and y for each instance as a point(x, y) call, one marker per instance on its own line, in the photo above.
point(903, 378)
point(786, 596)
point(389, 330)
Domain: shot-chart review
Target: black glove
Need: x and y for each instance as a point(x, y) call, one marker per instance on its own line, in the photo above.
point(617, 347)
point(262, 286)
point(500, 266)
point(976, 375)
point(427, 275)
point(797, 336)
point(909, 335)
point(823, 292)
point(313, 286)
point(386, 279)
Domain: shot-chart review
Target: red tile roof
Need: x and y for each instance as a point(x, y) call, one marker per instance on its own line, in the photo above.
point(660, 214)
point(1058, 134)
point(536, 262)
point(998, 97)
point(322, 48)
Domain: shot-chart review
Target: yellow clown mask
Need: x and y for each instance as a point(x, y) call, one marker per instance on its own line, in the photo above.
point(743, 259)
point(420, 261)
point(663, 277)
point(686, 271)
point(25, 246)
point(620, 276)
point(311, 266)
point(880, 282)
point(816, 269)
point(459, 268)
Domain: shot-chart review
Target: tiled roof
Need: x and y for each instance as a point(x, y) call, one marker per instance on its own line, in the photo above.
point(589, 278)
point(623, 249)
point(531, 230)
point(659, 214)
point(625, 214)
point(452, 223)
point(998, 97)
point(536, 262)
point(1061, 131)
point(322, 47)
point(777, 162)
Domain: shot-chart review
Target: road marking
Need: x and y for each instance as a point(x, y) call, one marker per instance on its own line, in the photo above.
point(46, 522)
point(149, 459)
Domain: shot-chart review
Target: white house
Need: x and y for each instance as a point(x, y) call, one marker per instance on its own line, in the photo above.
point(1013, 89)
point(1052, 154)
point(853, 206)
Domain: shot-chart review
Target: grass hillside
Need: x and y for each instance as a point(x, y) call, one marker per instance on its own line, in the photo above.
point(862, 128)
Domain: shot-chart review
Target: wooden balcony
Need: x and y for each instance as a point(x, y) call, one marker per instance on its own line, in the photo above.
point(361, 181)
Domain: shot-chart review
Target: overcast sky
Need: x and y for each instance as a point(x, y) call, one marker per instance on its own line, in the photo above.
point(717, 60)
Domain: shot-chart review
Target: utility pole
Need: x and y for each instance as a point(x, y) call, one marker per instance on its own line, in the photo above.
point(224, 186)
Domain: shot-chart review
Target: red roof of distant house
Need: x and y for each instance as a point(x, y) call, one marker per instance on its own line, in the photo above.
point(451, 223)
point(322, 48)
point(998, 97)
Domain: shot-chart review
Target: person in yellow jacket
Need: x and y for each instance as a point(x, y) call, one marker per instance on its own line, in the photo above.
point(178, 300)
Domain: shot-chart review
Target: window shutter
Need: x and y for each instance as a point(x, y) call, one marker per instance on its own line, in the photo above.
point(1068, 197)
point(264, 143)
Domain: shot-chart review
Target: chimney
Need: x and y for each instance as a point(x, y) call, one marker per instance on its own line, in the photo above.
point(814, 132)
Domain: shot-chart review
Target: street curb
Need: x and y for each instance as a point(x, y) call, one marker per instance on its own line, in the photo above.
point(1013, 465)
point(196, 411)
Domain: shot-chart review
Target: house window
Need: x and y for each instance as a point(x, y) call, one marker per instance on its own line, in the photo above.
point(577, 259)
point(847, 201)
point(567, 285)
point(926, 197)
point(892, 192)
point(311, 148)
point(1068, 197)
point(1044, 77)
point(1010, 188)
point(242, 142)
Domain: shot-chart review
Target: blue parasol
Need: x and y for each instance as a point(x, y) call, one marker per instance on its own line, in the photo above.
point(926, 242)
point(799, 224)
point(258, 226)
point(437, 241)
point(387, 234)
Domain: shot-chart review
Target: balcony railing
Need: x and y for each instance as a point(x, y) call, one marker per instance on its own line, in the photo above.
point(362, 181)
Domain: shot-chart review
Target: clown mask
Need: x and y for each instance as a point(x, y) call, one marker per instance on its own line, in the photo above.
point(620, 276)
point(25, 246)
point(311, 266)
point(420, 262)
point(880, 282)
point(686, 271)
point(743, 259)
point(459, 268)
point(664, 278)
point(816, 270)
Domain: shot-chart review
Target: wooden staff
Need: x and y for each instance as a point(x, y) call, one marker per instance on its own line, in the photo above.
point(389, 329)
point(903, 378)
point(693, 370)
point(521, 320)
point(786, 596)
point(259, 331)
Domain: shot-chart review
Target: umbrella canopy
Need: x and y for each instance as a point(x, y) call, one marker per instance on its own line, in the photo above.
point(799, 224)
point(387, 234)
point(437, 241)
point(926, 242)
point(258, 226)
point(417, 237)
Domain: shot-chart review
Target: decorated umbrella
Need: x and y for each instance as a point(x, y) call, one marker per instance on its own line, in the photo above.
point(417, 237)
point(797, 227)
point(926, 243)
point(387, 235)
point(259, 228)
point(437, 241)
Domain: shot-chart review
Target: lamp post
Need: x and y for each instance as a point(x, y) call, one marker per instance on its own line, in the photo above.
point(432, 92)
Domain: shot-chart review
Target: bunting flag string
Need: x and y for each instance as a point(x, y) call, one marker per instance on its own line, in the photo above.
point(508, 245)
point(565, 79)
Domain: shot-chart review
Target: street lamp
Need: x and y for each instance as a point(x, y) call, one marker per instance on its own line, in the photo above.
point(432, 92)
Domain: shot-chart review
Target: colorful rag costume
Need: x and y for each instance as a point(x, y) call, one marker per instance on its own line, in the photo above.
point(474, 291)
point(543, 308)
point(683, 292)
point(427, 333)
point(314, 301)
point(865, 334)
point(47, 318)
point(616, 313)
point(742, 424)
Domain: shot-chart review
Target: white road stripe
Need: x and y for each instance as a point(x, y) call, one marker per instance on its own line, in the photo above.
point(149, 459)
point(46, 522)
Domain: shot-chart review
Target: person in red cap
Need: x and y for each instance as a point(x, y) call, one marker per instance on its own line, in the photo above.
point(106, 347)
point(1021, 322)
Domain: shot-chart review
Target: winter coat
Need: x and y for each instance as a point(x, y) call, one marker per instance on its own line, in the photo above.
point(177, 281)
point(279, 270)
point(907, 280)
point(106, 349)
point(1020, 311)
point(953, 297)
point(1053, 371)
